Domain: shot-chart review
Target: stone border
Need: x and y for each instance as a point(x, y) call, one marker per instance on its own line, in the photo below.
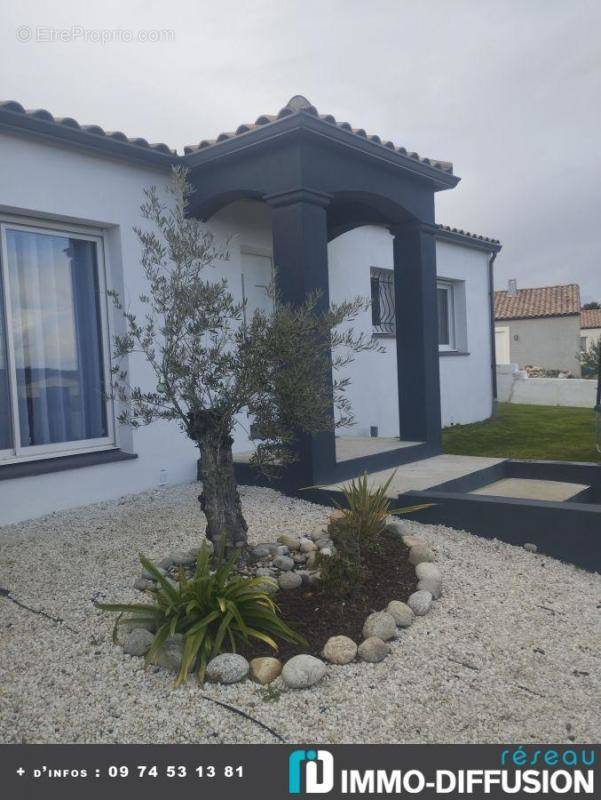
point(383, 626)
point(304, 670)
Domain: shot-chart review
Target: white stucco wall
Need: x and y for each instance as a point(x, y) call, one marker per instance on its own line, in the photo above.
point(466, 385)
point(43, 181)
point(373, 390)
point(48, 182)
point(466, 381)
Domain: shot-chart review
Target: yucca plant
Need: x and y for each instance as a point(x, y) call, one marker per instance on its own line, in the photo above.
point(356, 529)
point(215, 610)
point(366, 508)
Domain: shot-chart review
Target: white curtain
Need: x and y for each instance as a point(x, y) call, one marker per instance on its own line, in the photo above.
point(56, 336)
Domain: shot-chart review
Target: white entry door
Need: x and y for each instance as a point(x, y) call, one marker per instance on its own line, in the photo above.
point(502, 345)
point(257, 274)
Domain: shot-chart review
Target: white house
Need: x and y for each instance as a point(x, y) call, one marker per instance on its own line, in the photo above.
point(539, 327)
point(590, 327)
point(69, 198)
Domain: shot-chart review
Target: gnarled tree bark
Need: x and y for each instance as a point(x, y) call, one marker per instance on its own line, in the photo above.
point(219, 500)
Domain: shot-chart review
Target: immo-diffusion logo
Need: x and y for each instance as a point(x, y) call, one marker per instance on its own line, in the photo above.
point(307, 763)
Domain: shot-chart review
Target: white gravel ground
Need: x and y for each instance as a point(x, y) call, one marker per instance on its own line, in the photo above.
point(511, 653)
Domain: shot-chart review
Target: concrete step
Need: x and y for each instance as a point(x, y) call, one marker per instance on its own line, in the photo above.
point(425, 473)
point(529, 489)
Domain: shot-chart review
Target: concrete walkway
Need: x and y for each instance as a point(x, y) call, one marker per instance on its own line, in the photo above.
point(424, 474)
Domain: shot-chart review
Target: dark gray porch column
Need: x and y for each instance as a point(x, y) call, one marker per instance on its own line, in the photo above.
point(417, 333)
point(300, 256)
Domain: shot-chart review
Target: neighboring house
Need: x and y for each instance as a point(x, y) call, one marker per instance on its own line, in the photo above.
point(357, 210)
point(539, 327)
point(590, 327)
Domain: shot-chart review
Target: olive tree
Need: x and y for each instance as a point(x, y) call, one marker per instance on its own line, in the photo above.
point(214, 365)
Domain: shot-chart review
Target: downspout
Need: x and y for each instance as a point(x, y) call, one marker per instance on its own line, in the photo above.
point(493, 355)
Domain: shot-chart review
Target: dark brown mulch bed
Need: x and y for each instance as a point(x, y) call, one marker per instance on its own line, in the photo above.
point(316, 616)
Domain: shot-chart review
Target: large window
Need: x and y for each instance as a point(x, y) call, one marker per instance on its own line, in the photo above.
point(53, 347)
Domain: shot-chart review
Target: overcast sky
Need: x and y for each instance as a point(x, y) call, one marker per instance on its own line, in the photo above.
point(510, 92)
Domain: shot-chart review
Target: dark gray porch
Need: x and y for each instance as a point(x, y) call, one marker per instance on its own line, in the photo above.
point(322, 178)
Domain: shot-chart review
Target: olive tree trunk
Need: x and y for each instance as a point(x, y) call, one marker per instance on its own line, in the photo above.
point(220, 501)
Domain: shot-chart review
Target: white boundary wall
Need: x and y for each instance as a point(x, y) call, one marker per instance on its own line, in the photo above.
point(514, 386)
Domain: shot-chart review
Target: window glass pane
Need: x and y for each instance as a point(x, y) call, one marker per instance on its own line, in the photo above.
point(5, 414)
point(382, 300)
point(375, 300)
point(443, 316)
point(57, 337)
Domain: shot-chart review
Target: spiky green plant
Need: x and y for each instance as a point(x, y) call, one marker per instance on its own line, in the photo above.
point(356, 530)
point(215, 610)
point(366, 508)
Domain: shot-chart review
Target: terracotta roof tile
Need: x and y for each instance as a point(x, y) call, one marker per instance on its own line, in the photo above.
point(590, 318)
point(93, 130)
point(299, 103)
point(460, 232)
point(546, 301)
point(294, 106)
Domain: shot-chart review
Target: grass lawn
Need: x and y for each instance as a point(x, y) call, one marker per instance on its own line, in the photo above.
point(544, 432)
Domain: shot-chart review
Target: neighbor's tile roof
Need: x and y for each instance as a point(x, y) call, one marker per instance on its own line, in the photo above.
point(93, 130)
point(546, 301)
point(590, 318)
point(299, 103)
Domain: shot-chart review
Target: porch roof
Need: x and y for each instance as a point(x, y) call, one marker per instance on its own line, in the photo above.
point(299, 104)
